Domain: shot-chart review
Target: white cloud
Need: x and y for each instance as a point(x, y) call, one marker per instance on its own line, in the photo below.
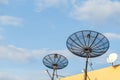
point(29, 75)
point(10, 20)
point(11, 52)
point(95, 10)
point(7, 76)
point(4, 1)
point(44, 4)
point(112, 35)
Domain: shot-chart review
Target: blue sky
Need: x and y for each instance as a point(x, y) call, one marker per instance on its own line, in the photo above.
point(31, 29)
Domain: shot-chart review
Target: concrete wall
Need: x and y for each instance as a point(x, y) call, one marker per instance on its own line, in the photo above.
point(109, 73)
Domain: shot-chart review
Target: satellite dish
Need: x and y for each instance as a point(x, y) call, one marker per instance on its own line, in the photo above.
point(55, 62)
point(87, 44)
point(112, 58)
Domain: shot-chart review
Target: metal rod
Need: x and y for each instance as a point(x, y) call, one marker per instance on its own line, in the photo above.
point(56, 74)
point(49, 74)
point(53, 74)
point(85, 77)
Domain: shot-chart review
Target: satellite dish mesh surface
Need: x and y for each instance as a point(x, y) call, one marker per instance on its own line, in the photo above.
point(87, 43)
point(55, 61)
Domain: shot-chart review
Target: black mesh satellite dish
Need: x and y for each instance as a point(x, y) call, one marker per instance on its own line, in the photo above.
point(55, 62)
point(87, 44)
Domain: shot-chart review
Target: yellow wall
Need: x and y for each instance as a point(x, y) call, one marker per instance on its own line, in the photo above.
point(109, 73)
